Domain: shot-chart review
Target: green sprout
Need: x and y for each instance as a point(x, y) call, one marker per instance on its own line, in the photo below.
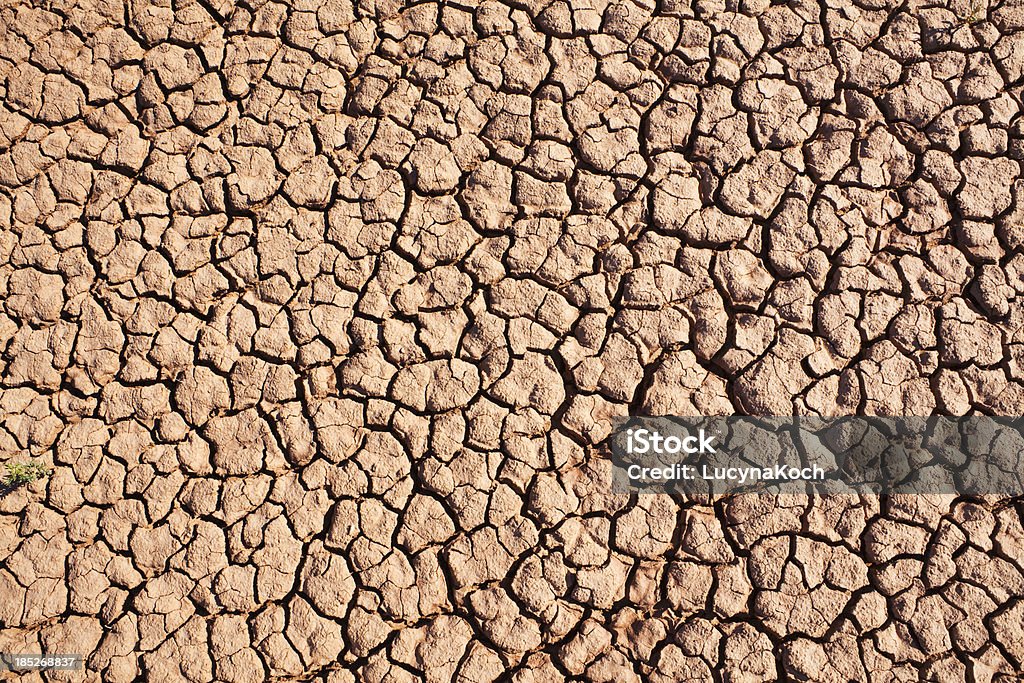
point(22, 473)
point(978, 12)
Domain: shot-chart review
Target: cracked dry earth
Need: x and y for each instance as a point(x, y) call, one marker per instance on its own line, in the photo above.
point(321, 312)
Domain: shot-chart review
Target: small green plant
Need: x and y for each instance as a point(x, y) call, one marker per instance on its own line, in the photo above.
point(978, 12)
point(20, 473)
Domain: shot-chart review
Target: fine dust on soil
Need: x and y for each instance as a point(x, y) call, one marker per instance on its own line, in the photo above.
point(320, 310)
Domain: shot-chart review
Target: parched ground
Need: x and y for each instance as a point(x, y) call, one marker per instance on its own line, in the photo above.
point(321, 311)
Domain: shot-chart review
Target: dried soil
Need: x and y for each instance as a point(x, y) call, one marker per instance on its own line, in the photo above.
point(321, 311)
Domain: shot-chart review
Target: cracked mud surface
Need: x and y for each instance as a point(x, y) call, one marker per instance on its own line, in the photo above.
point(321, 312)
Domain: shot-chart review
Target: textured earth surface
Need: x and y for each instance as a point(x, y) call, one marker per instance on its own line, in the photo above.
point(320, 311)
